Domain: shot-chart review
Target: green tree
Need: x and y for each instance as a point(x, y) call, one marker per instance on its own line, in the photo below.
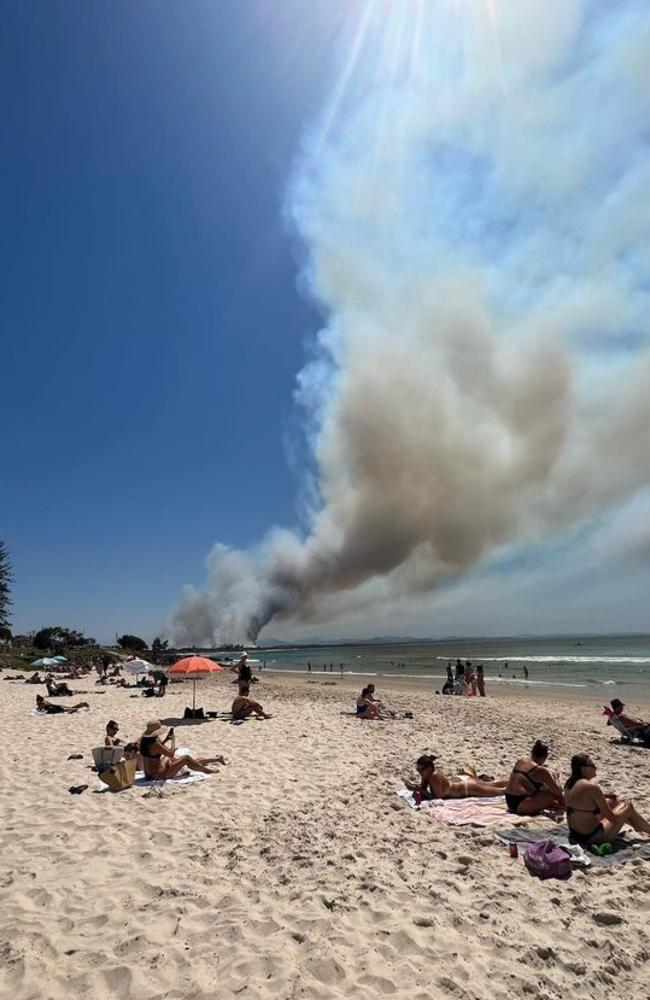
point(5, 633)
point(132, 642)
point(58, 637)
point(158, 647)
point(6, 579)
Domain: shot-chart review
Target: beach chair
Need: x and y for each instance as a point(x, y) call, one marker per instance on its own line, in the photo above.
point(105, 757)
point(630, 737)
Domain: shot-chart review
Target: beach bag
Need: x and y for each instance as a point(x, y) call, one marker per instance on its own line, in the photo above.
point(105, 757)
point(546, 860)
point(120, 776)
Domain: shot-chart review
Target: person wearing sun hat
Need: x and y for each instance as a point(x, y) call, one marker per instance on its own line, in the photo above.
point(159, 761)
point(635, 727)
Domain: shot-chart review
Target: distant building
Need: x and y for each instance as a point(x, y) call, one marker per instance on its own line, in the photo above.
point(18, 641)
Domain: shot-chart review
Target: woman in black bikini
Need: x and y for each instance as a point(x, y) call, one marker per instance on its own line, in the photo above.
point(593, 817)
point(531, 786)
point(159, 760)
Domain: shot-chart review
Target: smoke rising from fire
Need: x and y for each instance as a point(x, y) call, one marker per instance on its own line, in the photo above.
point(477, 227)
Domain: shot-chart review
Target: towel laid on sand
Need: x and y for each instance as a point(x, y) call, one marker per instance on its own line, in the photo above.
point(143, 782)
point(624, 849)
point(464, 812)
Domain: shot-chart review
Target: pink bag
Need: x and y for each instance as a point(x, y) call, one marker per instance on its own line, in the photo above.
point(546, 860)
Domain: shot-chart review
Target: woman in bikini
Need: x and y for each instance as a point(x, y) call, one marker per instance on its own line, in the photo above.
point(159, 760)
point(593, 817)
point(42, 705)
point(435, 785)
point(368, 707)
point(531, 786)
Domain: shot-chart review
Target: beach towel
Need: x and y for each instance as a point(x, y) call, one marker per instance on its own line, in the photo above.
point(625, 849)
point(143, 782)
point(466, 811)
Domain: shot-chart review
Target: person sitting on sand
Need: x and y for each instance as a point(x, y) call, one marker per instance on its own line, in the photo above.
point(159, 761)
point(243, 706)
point(35, 679)
point(459, 680)
point(368, 708)
point(435, 785)
point(131, 751)
point(592, 816)
point(637, 728)
point(531, 786)
point(57, 690)
point(111, 739)
point(372, 697)
point(46, 706)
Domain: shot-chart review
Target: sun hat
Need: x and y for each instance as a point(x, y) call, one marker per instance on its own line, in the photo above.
point(243, 655)
point(153, 727)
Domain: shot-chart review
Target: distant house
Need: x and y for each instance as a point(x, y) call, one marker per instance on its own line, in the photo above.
point(18, 641)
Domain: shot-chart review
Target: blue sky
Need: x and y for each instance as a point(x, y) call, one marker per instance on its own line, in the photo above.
point(151, 324)
point(431, 219)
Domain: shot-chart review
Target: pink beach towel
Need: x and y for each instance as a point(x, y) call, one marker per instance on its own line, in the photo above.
point(466, 812)
point(470, 812)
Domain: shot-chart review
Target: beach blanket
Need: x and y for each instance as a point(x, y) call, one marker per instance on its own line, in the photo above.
point(466, 811)
point(143, 782)
point(625, 849)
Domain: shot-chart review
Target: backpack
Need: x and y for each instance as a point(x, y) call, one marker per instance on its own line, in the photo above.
point(546, 860)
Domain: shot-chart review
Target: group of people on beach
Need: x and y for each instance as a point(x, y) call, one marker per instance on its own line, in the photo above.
point(593, 816)
point(155, 752)
point(467, 680)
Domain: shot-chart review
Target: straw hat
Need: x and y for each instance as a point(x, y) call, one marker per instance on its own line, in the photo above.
point(153, 728)
point(243, 655)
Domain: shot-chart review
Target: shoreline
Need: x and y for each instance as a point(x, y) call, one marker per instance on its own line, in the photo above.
point(495, 688)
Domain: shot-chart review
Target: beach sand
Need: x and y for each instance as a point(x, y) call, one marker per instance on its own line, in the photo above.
point(297, 872)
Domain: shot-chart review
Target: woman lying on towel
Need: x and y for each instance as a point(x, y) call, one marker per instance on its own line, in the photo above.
point(593, 817)
point(531, 786)
point(158, 759)
point(46, 706)
point(435, 785)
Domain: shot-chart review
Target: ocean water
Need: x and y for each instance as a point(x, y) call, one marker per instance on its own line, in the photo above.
point(614, 665)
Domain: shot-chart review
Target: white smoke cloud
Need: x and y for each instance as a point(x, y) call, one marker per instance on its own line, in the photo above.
point(477, 227)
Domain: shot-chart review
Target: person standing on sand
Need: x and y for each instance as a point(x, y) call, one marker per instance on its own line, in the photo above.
point(480, 680)
point(308, 666)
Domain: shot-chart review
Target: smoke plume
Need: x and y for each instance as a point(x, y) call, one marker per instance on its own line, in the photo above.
point(475, 213)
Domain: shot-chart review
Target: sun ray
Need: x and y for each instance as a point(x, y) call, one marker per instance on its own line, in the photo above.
point(345, 77)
